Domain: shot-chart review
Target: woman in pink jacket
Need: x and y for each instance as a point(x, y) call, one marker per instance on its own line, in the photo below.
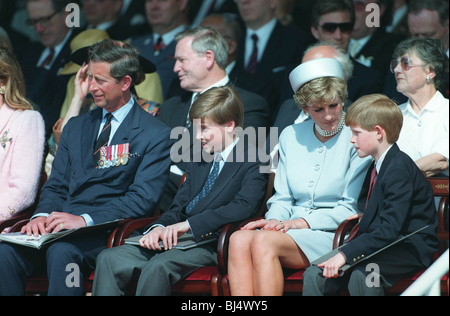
point(21, 140)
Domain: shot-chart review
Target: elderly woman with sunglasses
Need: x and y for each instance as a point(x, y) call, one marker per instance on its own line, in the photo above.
point(317, 184)
point(421, 70)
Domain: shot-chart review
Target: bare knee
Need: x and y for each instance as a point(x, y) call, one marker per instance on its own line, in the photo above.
point(262, 245)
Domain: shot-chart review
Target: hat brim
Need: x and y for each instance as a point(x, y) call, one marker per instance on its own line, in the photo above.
point(81, 56)
point(313, 69)
point(70, 68)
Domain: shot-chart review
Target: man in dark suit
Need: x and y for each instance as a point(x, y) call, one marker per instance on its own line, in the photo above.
point(166, 19)
point(112, 163)
point(370, 45)
point(397, 201)
point(42, 61)
point(201, 58)
point(267, 47)
point(333, 21)
point(224, 186)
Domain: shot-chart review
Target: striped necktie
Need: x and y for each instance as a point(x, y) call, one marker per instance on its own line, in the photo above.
point(253, 61)
point(48, 59)
point(103, 138)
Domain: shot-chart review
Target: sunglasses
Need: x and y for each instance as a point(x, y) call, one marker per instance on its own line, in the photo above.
point(404, 62)
point(330, 28)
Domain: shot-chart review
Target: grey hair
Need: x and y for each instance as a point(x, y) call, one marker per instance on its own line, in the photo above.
point(206, 38)
point(431, 52)
point(123, 58)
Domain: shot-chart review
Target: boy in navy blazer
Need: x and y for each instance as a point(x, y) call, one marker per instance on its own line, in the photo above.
point(397, 200)
point(126, 180)
point(224, 186)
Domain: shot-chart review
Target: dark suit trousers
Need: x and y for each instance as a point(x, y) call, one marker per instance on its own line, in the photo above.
point(365, 279)
point(18, 262)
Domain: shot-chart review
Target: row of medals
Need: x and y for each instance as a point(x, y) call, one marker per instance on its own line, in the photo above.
point(113, 156)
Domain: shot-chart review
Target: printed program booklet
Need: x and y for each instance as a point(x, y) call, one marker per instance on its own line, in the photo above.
point(185, 241)
point(43, 240)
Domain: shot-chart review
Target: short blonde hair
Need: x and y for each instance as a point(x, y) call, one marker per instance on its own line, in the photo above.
point(320, 91)
point(220, 104)
point(376, 109)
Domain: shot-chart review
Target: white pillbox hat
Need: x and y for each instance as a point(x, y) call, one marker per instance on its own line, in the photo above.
point(313, 69)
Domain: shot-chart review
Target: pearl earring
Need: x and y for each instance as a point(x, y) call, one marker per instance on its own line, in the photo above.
point(428, 80)
point(2, 90)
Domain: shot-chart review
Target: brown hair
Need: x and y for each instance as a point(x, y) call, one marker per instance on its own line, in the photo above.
point(219, 104)
point(376, 109)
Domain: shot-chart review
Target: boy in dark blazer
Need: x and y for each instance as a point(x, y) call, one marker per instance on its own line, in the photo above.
point(226, 185)
point(397, 200)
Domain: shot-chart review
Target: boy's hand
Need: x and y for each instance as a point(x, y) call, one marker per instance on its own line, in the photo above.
point(169, 236)
point(151, 239)
point(331, 266)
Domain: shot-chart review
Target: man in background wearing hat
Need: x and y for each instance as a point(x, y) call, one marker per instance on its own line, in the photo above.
point(112, 163)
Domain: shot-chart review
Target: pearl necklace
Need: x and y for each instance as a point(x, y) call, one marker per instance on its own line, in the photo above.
point(326, 133)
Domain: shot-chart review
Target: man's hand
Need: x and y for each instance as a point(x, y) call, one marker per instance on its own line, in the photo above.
point(35, 227)
point(57, 221)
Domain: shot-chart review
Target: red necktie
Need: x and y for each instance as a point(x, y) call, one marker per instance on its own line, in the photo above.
point(253, 61)
point(158, 46)
point(49, 58)
point(373, 179)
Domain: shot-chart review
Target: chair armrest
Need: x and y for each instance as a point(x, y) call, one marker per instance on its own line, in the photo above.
point(224, 240)
point(13, 220)
point(222, 246)
point(346, 227)
point(18, 225)
point(127, 228)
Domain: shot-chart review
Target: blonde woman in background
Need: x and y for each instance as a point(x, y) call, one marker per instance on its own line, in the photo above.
point(21, 140)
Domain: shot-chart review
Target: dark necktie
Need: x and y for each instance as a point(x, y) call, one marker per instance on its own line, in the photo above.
point(158, 46)
point(373, 179)
point(103, 138)
point(207, 186)
point(253, 61)
point(49, 58)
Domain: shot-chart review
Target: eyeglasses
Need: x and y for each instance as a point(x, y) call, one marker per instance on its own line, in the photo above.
point(330, 28)
point(44, 21)
point(404, 62)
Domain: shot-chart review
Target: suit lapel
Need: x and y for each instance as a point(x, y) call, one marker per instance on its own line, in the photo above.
point(227, 173)
point(129, 128)
point(374, 203)
point(91, 126)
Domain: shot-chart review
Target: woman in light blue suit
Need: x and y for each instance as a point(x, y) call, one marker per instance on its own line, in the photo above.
point(318, 181)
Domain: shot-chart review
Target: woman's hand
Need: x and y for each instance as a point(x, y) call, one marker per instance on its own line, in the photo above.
point(276, 225)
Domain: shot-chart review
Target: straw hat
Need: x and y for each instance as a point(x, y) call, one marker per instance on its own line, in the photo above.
point(82, 55)
point(313, 69)
point(84, 39)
